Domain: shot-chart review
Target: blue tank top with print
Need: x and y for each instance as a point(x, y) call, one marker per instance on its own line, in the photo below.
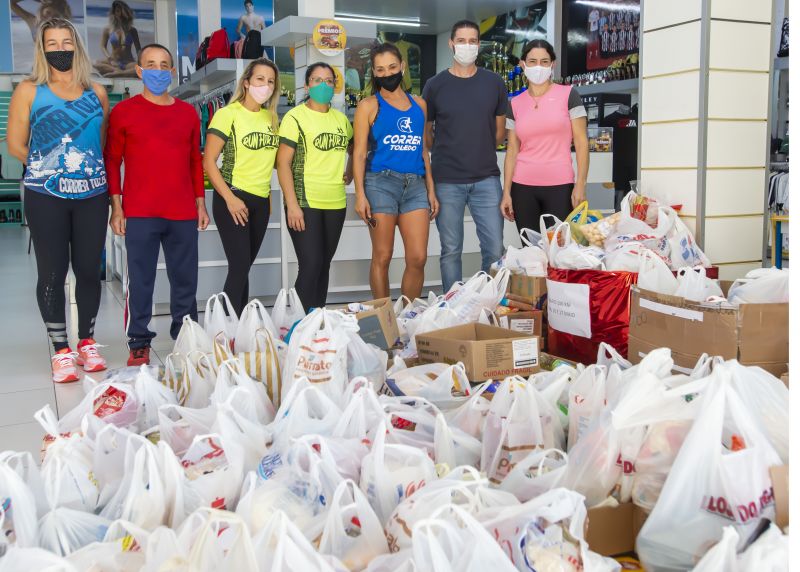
point(66, 156)
point(396, 139)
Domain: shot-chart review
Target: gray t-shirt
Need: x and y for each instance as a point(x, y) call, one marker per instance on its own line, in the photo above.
point(464, 112)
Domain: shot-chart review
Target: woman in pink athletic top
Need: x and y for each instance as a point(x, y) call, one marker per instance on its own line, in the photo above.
point(543, 122)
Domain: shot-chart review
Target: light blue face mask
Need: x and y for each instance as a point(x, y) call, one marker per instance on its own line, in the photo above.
point(322, 93)
point(157, 81)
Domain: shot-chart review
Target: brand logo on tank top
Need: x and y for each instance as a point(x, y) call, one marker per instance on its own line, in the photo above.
point(332, 141)
point(257, 140)
point(404, 125)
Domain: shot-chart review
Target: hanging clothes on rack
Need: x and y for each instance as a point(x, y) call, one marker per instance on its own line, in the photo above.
point(206, 104)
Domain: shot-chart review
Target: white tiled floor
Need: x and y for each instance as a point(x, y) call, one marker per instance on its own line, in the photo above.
point(25, 384)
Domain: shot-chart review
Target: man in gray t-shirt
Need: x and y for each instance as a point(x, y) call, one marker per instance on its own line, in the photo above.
point(466, 122)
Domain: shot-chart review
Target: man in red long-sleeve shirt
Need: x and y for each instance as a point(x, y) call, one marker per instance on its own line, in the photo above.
point(162, 200)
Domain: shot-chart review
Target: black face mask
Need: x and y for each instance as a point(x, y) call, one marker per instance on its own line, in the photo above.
point(389, 82)
point(60, 59)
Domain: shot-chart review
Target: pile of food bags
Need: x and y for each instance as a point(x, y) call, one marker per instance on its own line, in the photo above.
point(212, 464)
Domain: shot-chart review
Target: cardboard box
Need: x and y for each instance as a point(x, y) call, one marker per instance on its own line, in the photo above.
point(487, 352)
point(755, 334)
point(613, 530)
point(530, 323)
point(780, 488)
point(532, 287)
point(379, 325)
point(785, 377)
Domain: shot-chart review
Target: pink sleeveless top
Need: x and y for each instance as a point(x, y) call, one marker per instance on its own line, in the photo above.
point(545, 136)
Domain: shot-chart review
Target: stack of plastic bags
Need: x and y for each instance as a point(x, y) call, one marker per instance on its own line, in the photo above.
point(616, 243)
point(430, 473)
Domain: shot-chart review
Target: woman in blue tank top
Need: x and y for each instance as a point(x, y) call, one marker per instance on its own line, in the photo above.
point(391, 170)
point(56, 125)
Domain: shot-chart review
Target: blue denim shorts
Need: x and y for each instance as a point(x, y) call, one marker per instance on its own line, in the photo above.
point(389, 192)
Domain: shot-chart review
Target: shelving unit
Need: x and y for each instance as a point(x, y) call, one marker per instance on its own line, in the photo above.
point(214, 74)
point(622, 86)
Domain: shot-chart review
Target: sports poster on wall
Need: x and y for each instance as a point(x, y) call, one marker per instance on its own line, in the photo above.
point(188, 37)
point(241, 16)
point(113, 31)
point(613, 33)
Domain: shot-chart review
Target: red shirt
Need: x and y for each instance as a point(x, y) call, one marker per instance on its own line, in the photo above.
point(160, 145)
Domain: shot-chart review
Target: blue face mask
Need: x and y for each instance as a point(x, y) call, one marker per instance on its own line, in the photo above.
point(322, 93)
point(157, 81)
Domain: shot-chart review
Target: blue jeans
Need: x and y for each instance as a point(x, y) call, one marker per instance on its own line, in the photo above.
point(483, 199)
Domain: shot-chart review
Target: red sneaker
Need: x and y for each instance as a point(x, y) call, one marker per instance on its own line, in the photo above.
point(64, 370)
point(139, 356)
point(88, 356)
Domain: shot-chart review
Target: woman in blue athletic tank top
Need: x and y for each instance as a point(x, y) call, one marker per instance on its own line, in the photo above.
point(56, 127)
point(391, 170)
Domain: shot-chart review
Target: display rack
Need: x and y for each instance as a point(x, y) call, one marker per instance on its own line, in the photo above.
point(622, 86)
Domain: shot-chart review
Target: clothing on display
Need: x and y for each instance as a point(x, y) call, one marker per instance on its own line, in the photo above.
point(624, 168)
point(320, 142)
point(251, 145)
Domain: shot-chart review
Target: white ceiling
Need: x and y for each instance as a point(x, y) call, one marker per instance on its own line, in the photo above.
point(437, 15)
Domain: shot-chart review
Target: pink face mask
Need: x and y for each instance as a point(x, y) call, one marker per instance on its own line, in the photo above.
point(261, 93)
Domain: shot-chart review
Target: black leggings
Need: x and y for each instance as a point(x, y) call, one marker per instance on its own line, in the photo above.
point(315, 247)
point(241, 243)
point(530, 203)
point(65, 230)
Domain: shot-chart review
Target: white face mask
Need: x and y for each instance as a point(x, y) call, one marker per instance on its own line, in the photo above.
point(538, 74)
point(466, 54)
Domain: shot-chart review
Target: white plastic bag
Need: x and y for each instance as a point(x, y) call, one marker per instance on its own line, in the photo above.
point(28, 559)
point(151, 394)
point(536, 474)
point(436, 317)
point(192, 337)
point(281, 547)
point(453, 541)
point(722, 557)
point(571, 255)
point(231, 375)
point(178, 426)
point(624, 257)
point(470, 416)
point(479, 292)
point(318, 352)
point(220, 317)
point(254, 318)
point(436, 382)
point(262, 364)
point(140, 498)
point(683, 249)
point(530, 260)
point(694, 285)
point(18, 518)
point(391, 473)
point(287, 311)
point(306, 409)
point(721, 474)
point(762, 286)
point(64, 530)
point(769, 553)
point(352, 532)
point(216, 540)
point(587, 399)
point(214, 467)
point(366, 360)
point(519, 421)
point(655, 275)
point(631, 229)
point(463, 486)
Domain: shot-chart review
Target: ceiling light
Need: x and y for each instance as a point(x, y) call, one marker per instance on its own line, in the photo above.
point(410, 22)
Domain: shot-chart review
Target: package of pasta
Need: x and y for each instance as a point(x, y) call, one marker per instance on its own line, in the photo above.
point(597, 232)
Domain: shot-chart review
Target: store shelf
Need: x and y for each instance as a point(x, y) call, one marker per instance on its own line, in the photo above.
point(293, 29)
point(211, 76)
point(623, 86)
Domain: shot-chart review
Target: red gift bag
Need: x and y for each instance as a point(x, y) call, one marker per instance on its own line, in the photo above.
point(586, 307)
